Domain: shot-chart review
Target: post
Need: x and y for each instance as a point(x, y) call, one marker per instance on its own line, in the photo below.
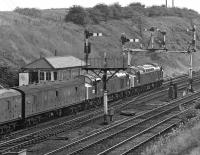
point(86, 44)
point(190, 89)
point(129, 58)
point(86, 51)
point(164, 40)
point(166, 4)
point(194, 38)
point(105, 98)
point(190, 75)
point(152, 40)
point(105, 94)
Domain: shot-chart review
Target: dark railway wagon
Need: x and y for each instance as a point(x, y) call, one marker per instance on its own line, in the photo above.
point(44, 101)
point(11, 109)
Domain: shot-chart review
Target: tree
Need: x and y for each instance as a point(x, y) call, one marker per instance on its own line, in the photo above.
point(104, 10)
point(116, 10)
point(77, 15)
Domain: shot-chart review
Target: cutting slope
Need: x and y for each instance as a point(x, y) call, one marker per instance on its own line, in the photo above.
point(24, 38)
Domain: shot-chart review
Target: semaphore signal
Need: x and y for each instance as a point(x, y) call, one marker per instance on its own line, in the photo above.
point(124, 39)
point(90, 34)
point(87, 44)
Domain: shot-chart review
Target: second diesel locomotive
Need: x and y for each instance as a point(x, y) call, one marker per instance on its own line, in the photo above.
point(28, 105)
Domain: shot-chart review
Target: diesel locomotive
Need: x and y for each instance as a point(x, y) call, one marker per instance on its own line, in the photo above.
point(28, 105)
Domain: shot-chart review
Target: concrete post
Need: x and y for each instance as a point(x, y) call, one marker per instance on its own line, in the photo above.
point(105, 101)
point(129, 58)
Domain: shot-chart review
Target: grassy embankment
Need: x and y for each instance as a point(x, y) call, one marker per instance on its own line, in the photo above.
point(184, 140)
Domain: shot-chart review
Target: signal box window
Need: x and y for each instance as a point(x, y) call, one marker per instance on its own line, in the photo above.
point(55, 75)
point(48, 76)
point(41, 75)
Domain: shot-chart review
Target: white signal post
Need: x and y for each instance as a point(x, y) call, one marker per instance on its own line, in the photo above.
point(105, 93)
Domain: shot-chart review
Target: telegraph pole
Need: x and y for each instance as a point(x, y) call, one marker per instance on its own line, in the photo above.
point(166, 3)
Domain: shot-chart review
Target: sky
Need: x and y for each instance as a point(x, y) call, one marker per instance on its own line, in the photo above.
point(8, 5)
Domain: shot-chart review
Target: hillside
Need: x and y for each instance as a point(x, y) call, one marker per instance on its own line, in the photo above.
point(25, 38)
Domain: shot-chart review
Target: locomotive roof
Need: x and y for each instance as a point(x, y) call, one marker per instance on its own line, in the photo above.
point(50, 85)
point(145, 68)
point(4, 93)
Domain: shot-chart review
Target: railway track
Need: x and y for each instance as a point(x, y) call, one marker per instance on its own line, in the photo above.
point(41, 135)
point(38, 136)
point(178, 80)
point(117, 138)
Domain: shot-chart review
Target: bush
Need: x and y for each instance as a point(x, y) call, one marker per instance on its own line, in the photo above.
point(102, 12)
point(197, 104)
point(32, 12)
point(116, 11)
point(162, 11)
point(77, 15)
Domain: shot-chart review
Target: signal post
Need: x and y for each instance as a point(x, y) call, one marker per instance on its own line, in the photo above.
point(102, 69)
point(190, 50)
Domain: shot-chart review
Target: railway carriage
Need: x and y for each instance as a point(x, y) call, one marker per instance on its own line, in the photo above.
point(44, 101)
point(11, 109)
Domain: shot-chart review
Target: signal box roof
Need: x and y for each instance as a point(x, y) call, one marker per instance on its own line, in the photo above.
point(55, 63)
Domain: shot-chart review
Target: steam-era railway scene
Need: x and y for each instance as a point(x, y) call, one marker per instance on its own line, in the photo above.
point(100, 78)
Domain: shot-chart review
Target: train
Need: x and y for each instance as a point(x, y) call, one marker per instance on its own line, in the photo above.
point(25, 106)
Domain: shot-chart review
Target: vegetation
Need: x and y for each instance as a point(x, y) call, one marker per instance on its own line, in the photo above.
point(32, 12)
point(183, 140)
point(78, 15)
point(102, 12)
point(8, 77)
